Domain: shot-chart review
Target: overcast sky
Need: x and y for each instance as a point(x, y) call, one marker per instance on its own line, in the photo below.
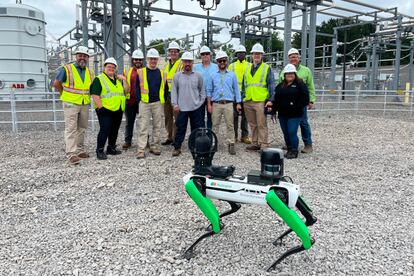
point(61, 15)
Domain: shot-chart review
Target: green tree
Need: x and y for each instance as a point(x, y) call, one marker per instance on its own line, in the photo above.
point(160, 44)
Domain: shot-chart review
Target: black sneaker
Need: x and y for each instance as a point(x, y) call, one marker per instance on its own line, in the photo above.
point(101, 155)
point(291, 154)
point(112, 150)
point(167, 142)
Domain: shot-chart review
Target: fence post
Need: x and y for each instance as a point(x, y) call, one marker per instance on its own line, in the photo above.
point(339, 101)
point(13, 110)
point(54, 111)
point(92, 116)
point(322, 99)
point(385, 102)
point(412, 103)
point(356, 101)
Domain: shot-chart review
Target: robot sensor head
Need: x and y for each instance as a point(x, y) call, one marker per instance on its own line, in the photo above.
point(272, 163)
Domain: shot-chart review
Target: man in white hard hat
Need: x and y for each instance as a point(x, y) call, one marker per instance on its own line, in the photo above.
point(173, 66)
point(131, 108)
point(206, 68)
point(222, 92)
point(151, 94)
point(108, 92)
point(187, 98)
point(239, 68)
point(72, 82)
point(306, 75)
point(258, 87)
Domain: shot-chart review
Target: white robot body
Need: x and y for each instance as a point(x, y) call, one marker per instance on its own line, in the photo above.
point(237, 189)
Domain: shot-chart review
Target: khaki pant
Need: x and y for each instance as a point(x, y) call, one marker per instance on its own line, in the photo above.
point(227, 111)
point(76, 123)
point(169, 119)
point(257, 122)
point(148, 111)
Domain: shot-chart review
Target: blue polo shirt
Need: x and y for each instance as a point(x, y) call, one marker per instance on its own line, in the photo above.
point(61, 75)
point(223, 86)
point(206, 72)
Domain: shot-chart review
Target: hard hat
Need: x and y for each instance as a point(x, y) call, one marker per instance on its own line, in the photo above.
point(240, 49)
point(257, 48)
point(221, 54)
point(205, 49)
point(293, 51)
point(153, 53)
point(82, 50)
point(173, 45)
point(187, 56)
point(290, 68)
point(137, 54)
point(111, 60)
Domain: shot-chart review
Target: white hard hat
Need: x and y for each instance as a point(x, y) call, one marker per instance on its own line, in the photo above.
point(293, 51)
point(82, 50)
point(111, 60)
point(173, 45)
point(240, 48)
point(137, 54)
point(205, 49)
point(257, 48)
point(290, 68)
point(221, 54)
point(153, 53)
point(187, 56)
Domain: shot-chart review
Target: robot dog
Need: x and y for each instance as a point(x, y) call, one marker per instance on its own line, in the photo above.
point(265, 187)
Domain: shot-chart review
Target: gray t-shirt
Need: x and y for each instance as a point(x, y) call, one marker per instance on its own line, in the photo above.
point(188, 91)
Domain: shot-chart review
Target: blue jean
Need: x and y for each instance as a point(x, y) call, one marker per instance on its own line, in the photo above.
point(196, 120)
point(305, 128)
point(131, 112)
point(289, 128)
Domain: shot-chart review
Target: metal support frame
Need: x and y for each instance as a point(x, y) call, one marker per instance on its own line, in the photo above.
point(397, 55)
point(312, 36)
point(333, 59)
point(304, 36)
point(410, 67)
point(288, 30)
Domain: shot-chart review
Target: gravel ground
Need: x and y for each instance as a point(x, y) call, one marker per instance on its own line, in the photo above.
point(128, 216)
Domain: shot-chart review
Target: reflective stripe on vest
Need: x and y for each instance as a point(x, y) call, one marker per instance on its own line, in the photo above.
point(256, 87)
point(177, 66)
point(112, 96)
point(143, 85)
point(74, 89)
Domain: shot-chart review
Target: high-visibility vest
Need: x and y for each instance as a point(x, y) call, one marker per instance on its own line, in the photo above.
point(74, 89)
point(128, 77)
point(143, 85)
point(176, 67)
point(256, 86)
point(239, 68)
point(112, 96)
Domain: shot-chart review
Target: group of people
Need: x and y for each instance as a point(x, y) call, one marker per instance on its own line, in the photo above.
point(182, 92)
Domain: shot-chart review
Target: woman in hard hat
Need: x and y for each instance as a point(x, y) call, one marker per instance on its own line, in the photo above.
point(108, 94)
point(291, 96)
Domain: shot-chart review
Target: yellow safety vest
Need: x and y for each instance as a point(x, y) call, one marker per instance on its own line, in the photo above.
point(143, 85)
point(112, 96)
point(256, 86)
point(176, 67)
point(75, 90)
point(128, 77)
point(239, 68)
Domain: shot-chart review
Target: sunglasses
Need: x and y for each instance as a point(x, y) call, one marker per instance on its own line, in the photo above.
point(205, 54)
point(222, 61)
point(137, 59)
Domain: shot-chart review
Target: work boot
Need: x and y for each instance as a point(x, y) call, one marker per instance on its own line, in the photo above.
point(307, 149)
point(112, 150)
point(232, 150)
point(101, 155)
point(167, 142)
point(284, 147)
point(253, 148)
point(246, 140)
point(155, 151)
point(74, 160)
point(83, 155)
point(140, 155)
point(126, 146)
point(292, 154)
point(176, 152)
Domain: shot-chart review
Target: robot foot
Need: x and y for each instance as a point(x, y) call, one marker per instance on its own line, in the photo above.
point(279, 240)
point(189, 253)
